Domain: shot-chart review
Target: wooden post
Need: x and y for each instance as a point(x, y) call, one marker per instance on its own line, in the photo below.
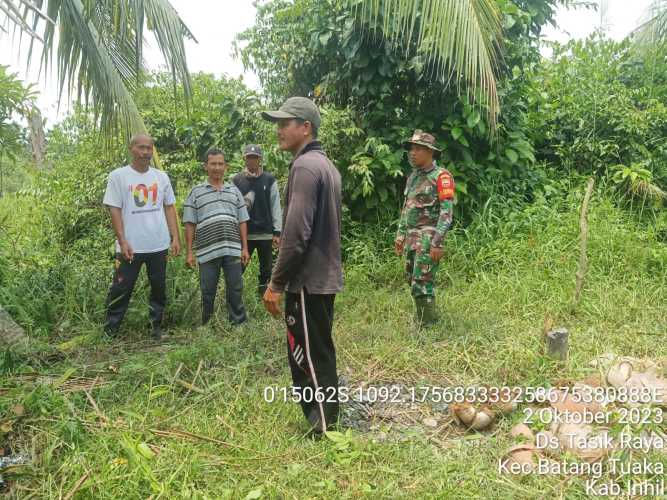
point(557, 344)
point(583, 244)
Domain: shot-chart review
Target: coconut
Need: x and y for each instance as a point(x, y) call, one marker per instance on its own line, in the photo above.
point(472, 417)
point(504, 407)
point(464, 413)
point(482, 420)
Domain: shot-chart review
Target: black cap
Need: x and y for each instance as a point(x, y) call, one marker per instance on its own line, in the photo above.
point(252, 150)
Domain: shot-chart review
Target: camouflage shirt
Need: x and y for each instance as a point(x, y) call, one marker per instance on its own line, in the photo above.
point(428, 207)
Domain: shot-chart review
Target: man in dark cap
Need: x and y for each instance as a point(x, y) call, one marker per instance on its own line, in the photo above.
point(260, 191)
point(425, 219)
point(309, 266)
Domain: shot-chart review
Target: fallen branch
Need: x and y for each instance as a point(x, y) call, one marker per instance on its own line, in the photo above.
point(178, 371)
point(189, 435)
point(194, 380)
point(190, 387)
point(93, 403)
point(77, 486)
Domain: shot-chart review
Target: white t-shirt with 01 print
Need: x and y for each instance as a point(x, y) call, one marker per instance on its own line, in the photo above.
point(141, 197)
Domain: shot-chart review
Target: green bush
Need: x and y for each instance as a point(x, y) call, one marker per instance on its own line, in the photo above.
point(595, 107)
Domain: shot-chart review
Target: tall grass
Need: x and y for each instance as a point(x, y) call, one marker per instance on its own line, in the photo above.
point(501, 278)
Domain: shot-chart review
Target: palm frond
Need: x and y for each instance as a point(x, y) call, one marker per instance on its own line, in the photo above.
point(458, 38)
point(36, 8)
point(163, 20)
point(97, 47)
point(85, 66)
point(647, 190)
point(654, 28)
point(9, 9)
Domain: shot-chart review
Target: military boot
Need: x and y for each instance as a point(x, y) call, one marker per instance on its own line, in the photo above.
point(430, 314)
point(420, 306)
point(425, 312)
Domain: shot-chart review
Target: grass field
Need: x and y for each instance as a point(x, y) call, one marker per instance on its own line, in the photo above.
point(137, 432)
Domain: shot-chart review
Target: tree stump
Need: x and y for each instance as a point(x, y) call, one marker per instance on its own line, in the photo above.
point(557, 344)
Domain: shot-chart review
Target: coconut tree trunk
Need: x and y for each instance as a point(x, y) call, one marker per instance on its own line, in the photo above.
point(37, 138)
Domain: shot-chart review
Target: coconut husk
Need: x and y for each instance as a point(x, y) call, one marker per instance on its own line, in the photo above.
point(524, 455)
point(580, 440)
point(524, 432)
point(631, 373)
point(566, 404)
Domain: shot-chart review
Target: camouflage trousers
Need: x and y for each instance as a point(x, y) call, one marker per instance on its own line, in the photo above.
point(420, 272)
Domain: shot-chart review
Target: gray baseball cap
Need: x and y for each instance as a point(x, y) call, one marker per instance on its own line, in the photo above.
point(295, 107)
point(252, 150)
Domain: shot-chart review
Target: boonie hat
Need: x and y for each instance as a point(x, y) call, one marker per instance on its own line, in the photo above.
point(423, 139)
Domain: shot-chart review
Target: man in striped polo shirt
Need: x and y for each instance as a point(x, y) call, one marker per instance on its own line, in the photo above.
point(215, 218)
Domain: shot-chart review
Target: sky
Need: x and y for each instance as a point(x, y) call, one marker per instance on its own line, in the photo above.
point(215, 23)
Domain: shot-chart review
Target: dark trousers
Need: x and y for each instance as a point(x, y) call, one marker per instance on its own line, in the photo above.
point(312, 356)
point(124, 278)
point(265, 253)
point(209, 275)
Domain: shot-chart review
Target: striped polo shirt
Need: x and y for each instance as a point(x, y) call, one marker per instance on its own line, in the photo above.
point(217, 215)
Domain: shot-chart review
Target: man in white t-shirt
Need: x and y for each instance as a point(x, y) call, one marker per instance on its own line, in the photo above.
point(143, 215)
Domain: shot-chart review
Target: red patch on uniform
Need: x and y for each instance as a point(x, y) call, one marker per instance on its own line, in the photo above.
point(445, 186)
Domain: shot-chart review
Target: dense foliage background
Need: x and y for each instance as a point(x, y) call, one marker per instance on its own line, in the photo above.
point(187, 417)
point(594, 107)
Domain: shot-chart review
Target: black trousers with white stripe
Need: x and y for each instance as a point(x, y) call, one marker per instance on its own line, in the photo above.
point(312, 356)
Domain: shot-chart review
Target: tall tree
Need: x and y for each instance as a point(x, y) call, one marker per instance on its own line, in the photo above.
point(96, 47)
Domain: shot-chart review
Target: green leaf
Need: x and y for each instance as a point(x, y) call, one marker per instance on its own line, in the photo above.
point(456, 133)
point(145, 451)
point(254, 494)
point(511, 155)
point(473, 119)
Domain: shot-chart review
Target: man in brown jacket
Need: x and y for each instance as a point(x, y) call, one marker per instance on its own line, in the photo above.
point(309, 265)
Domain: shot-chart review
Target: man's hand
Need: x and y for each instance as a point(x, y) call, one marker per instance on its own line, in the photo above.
point(190, 260)
point(398, 246)
point(245, 257)
point(436, 254)
point(271, 301)
point(126, 251)
point(276, 242)
point(175, 248)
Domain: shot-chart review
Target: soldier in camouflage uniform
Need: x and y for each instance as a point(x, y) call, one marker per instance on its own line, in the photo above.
point(425, 219)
